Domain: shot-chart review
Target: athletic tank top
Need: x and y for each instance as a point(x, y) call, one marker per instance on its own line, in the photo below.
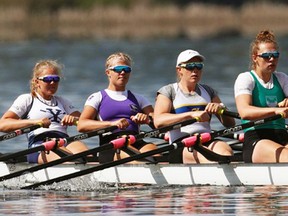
point(55, 113)
point(263, 97)
point(112, 110)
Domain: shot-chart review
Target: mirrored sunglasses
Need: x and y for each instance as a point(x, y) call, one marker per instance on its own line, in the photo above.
point(119, 69)
point(49, 78)
point(192, 65)
point(269, 55)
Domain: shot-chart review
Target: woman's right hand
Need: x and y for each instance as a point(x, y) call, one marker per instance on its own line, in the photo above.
point(45, 122)
point(202, 115)
point(121, 123)
point(282, 111)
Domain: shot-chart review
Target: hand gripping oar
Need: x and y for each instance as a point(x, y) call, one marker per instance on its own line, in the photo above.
point(20, 131)
point(229, 113)
point(206, 137)
point(153, 133)
point(46, 146)
point(187, 142)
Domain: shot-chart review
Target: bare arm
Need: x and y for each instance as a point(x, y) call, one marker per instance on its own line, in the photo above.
point(87, 121)
point(10, 121)
point(163, 117)
point(250, 112)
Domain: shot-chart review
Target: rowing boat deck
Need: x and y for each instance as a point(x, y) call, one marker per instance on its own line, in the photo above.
point(164, 174)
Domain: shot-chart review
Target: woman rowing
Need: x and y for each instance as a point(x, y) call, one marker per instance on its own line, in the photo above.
point(117, 106)
point(260, 93)
point(55, 113)
point(188, 99)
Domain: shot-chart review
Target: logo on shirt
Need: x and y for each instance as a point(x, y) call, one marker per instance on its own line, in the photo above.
point(134, 108)
point(271, 101)
point(55, 114)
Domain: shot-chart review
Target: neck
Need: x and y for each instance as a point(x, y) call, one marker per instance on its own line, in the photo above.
point(187, 88)
point(116, 88)
point(264, 75)
point(46, 97)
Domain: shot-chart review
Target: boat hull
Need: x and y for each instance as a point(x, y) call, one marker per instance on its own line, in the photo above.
point(163, 174)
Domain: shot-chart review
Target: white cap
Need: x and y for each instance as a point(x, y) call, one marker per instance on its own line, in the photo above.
point(187, 55)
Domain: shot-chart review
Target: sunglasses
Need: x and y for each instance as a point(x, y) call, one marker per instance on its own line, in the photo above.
point(49, 78)
point(269, 55)
point(192, 65)
point(119, 69)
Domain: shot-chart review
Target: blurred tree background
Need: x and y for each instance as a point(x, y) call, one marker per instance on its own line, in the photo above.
point(26, 19)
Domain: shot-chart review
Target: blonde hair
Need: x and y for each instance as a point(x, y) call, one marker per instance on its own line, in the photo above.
point(120, 56)
point(38, 69)
point(265, 36)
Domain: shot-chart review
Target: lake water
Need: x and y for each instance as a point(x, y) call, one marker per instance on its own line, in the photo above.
point(154, 66)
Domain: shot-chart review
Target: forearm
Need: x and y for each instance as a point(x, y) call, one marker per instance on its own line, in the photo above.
point(8, 125)
point(170, 118)
point(85, 125)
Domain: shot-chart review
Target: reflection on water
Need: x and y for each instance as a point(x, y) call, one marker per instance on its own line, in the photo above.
point(268, 200)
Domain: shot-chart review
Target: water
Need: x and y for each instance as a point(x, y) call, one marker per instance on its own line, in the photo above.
point(154, 66)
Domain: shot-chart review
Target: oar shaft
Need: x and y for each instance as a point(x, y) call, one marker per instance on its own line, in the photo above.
point(245, 126)
point(21, 153)
point(20, 131)
point(90, 134)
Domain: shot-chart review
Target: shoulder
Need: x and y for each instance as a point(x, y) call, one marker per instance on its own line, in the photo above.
point(167, 90)
point(208, 88)
point(211, 92)
point(143, 101)
point(244, 78)
point(24, 100)
point(62, 99)
point(25, 97)
point(245, 75)
point(280, 75)
point(95, 96)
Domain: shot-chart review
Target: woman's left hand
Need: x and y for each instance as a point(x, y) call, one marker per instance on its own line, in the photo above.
point(140, 118)
point(213, 108)
point(283, 103)
point(69, 120)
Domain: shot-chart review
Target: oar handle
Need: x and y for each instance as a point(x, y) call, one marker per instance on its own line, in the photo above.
point(229, 113)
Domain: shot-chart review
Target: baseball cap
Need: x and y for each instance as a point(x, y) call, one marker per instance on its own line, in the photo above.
point(187, 55)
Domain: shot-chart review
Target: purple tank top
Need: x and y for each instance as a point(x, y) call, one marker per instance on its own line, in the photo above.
point(112, 110)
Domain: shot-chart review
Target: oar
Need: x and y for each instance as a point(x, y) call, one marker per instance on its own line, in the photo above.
point(20, 131)
point(206, 137)
point(49, 145)
point(111, 145)
point(187, 142)
point(229, 113)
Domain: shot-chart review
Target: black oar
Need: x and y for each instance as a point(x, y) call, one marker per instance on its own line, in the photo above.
point(19, 132)
point(47, 146)
point(187, 142)
point(111, 145)
point(229, 113)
